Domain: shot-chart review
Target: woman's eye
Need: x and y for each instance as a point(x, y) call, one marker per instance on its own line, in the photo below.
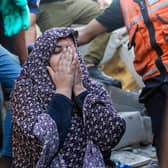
point(57, 50)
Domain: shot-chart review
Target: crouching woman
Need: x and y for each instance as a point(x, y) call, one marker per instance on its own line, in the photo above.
point(57, 109)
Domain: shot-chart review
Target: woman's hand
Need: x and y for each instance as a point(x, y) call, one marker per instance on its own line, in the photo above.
point(63, 74)
point(78, 85)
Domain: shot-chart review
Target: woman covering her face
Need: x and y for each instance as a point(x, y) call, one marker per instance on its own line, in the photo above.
point(56, 107)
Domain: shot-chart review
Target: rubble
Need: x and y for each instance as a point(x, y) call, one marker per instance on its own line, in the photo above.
point(135, 147)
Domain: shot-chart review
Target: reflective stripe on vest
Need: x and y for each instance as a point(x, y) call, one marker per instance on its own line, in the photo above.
point(152, 9)
point(153, 71)
point(147, 26)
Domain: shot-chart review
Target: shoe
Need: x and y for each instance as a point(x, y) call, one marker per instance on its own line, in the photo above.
point(5, 162)
point(100, 76)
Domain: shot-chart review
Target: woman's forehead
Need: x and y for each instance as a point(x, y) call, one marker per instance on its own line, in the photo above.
point(65, 41)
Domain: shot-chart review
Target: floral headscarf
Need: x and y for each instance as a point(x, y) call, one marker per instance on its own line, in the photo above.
point(35, 135)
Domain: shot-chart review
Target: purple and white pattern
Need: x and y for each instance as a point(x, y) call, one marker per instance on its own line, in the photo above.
point(93, 157)
point(35, 135)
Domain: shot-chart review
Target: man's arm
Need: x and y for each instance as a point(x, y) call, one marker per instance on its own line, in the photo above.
point(90, 31)
point(111, 19)
point(20, 46)
point(31, 33)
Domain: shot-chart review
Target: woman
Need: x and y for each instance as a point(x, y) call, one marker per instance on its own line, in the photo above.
point(57, 108)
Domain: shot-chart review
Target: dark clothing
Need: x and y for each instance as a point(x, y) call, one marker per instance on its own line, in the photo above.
point(5, 41)
point(112, 17)
point(80, 99)
point(155, 95)
point(60, 109)
point(46, 1)
point(156, 109)
point(1, 21)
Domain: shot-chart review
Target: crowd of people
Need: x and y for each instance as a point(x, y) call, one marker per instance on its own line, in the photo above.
point(59, 113)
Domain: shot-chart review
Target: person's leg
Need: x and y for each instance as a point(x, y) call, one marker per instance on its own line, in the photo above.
point(85, 11)
point(155, 106)
point(96, 50)
point(54, 14)
point(164, 154)
point(9, 71)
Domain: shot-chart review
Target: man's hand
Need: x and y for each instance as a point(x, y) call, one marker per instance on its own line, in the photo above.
point(103, 3)
point(90, 31)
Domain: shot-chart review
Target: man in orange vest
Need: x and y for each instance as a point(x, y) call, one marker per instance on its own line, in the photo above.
point(147, 25)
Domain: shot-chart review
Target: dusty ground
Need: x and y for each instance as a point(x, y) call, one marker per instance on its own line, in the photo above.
point(116, 68)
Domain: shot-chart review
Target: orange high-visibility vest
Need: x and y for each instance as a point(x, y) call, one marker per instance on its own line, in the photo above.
point(147, 25)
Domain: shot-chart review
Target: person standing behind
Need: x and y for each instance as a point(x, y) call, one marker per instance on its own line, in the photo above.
point(14, 19)
point(146, 22)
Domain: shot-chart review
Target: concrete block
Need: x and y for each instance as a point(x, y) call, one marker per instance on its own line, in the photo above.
point(135, 130)
point(148, 130)
point(123, 100)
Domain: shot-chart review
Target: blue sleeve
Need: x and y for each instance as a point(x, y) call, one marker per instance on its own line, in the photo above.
point(112, 17)
point(34, 6)
point(60, 108)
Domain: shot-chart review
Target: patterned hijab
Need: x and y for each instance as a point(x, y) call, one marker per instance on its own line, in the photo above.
point(35, 79)
point(35, 135)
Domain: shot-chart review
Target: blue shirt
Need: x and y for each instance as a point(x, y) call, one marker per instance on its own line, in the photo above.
point(34, 6)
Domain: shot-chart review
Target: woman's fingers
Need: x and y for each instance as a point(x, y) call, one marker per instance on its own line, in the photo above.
point(71, 54)
point(74, 63)
point(67, 60)
point(64, 60)
point(67, 66)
